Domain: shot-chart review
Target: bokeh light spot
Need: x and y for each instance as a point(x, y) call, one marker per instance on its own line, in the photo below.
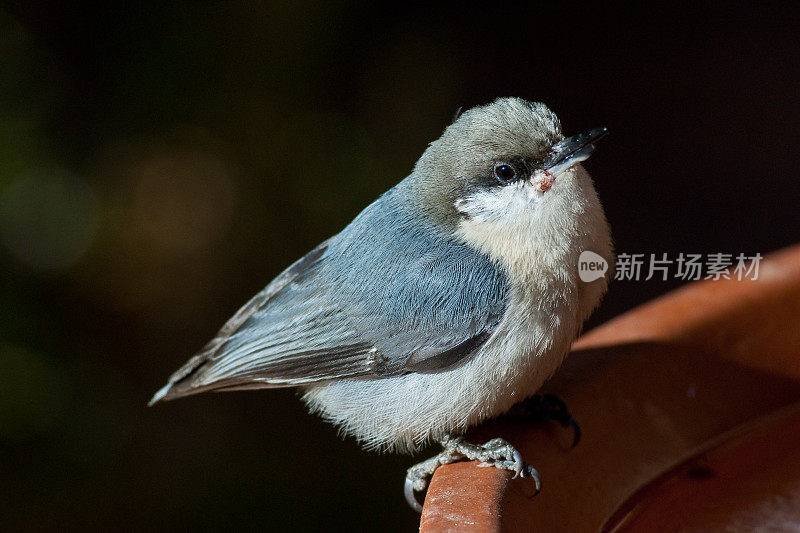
point(48, 218)
point(184, 200)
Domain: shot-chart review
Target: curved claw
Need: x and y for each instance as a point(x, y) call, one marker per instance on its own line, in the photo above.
point(496, 453)
point(534, 474)
point(411, 496)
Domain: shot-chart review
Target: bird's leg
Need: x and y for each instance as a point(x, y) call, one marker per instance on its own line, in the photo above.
point(544, 408)
point(496, 452)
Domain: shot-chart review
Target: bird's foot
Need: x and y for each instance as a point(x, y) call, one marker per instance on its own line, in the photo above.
point(496, 452)
point(544, 408)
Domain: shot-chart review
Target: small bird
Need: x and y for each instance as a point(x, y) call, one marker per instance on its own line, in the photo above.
point(449, 299)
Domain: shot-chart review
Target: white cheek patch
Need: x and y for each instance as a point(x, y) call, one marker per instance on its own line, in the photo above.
point(500, 221)
point(496, 205)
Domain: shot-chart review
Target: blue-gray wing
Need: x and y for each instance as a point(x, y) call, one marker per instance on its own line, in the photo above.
point(390, 294)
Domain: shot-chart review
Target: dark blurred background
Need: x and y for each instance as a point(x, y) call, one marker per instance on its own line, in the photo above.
point(160, 162)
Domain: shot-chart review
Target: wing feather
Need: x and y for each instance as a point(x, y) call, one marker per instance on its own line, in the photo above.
point(388, 295)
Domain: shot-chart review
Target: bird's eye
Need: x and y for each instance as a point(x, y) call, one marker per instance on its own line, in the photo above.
point(504, 172)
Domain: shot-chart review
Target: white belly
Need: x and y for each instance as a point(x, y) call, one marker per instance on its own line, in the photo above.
point(402, 413)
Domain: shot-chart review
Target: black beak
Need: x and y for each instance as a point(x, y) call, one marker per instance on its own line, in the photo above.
point(573, 150)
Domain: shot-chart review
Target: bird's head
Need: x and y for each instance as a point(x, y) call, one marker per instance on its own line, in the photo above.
point(503, 174)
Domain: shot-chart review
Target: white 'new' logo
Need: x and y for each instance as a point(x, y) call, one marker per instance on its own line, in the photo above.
point(591, 266)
